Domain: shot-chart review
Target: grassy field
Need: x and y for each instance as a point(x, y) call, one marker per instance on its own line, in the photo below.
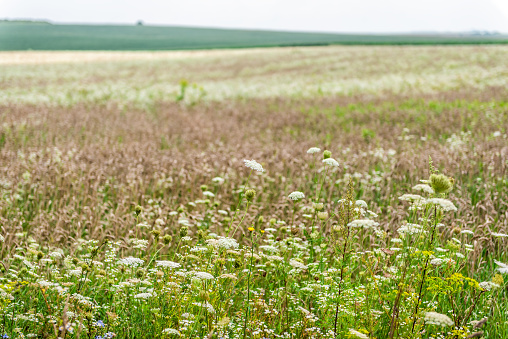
point(127, 208)
point(45, 36)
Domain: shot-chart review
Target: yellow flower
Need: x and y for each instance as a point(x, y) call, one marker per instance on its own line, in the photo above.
point(251, 229)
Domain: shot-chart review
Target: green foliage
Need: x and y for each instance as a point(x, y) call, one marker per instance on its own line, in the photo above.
point(35, 36)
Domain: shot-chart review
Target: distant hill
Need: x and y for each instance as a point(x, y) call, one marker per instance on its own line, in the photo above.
point(41, 35)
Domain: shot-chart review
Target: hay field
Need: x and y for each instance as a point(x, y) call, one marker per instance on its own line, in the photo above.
point(127, 210)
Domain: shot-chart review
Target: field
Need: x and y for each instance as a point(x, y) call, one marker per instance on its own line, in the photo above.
point(373, 202)
point(21, 35)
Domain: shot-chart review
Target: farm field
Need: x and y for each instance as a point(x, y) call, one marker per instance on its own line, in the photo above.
point(26, 35)
point(297, 192)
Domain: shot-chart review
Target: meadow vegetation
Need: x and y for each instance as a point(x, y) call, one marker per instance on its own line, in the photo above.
point(331, 192)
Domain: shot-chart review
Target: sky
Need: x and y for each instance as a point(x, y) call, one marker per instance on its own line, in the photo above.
point(351, 16)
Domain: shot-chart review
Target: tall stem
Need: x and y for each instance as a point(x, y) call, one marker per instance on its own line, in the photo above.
point(415, 315)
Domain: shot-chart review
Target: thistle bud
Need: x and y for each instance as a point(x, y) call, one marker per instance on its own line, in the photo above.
point(180, 209)
point(137, 210)
point(204, 187)
point(440, 183)
point(273, 221)
point(250, 194)
point(261, 219)
point(140, 273)
point(40, 255)
point(327, 154)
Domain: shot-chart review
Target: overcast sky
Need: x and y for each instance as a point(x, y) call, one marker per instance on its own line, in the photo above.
point(377, 16)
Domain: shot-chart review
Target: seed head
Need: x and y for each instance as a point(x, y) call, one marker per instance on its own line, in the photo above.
point(138, 209)
point(327, 154)
point(140, 273)
point(167, 239)
point(183, 231)
point(318, 206)
point(250, 194)
point(322, 215)
point(204, 187)
point(440, 183)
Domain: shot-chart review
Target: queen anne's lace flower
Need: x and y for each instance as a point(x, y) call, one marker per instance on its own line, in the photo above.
point(424, 188)
point(331, 162)
point(444, 204)
point(488, 285)
point(503, 268)
point(363, 223)
point(313, 150)
point(296, 195)
point(171, 331)
point(167, 263)
point(203, 275)
point(439, 319)
point(357, 334)
point(143, 295)
point(297, 264)
point(131, 261)
point(253, 164)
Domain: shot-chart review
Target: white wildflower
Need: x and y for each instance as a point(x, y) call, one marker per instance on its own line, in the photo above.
point(313, 150)
point(365, 223)
point(331, 162)
point(437, 262)
point(361, 203)
point(499, 235)
point(217, 180)
point(139, 243)
point(424, 188)
point(131, 261)
point(467, 232)
point(297, 264)
point(274, 258)
point(203, 275)
point(488, 285)
point(227, 243)
point(253, 164)
point(410, 229)
point(143, 295)
point(445, 204)
point(357, 334)
point(171, 331)
point(2, 239)
point(503, 267)
point(208, 194)
point(296, 195)
point(411, 197)
point(167, 263)
point(439, 319)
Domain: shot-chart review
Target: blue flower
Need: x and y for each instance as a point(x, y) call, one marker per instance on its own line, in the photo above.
point(100, 323)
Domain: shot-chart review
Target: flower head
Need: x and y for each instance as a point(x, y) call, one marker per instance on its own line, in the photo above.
point(296, 195)
point(167, 263)
point(253, 164)
point(331, 162)
point(444, 204)
point(439, 319)
point(313, 150)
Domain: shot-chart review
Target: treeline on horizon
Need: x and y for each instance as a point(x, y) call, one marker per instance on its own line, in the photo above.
point(43, 35)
